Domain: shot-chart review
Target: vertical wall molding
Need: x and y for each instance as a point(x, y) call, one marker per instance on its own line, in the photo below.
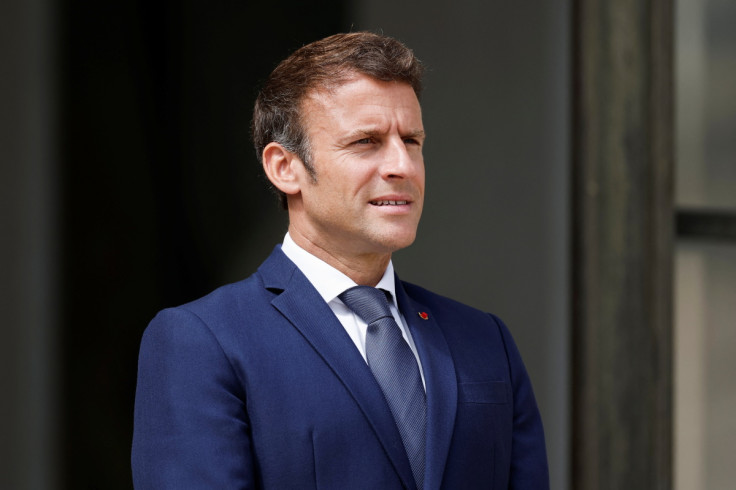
point(622, 244)
point(29, 199)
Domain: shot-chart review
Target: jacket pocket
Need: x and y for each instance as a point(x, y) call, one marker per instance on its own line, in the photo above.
point(483, 392)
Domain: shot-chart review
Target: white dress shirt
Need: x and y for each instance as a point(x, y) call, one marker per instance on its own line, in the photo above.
point(330, 282)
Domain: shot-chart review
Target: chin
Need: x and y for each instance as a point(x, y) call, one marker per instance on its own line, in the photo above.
point(394, 242)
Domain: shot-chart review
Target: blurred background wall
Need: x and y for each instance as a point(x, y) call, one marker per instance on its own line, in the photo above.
point(705, 254)
point(128, 184)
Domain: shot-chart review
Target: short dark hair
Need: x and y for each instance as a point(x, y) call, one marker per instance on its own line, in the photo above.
point(324, 65)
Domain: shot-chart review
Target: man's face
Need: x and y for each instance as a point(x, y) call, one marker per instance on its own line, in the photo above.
point(366, 144)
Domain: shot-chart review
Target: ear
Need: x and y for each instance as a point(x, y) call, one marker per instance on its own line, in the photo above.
point(282, 168)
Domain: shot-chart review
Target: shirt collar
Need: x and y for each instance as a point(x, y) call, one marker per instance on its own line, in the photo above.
point(328, 281)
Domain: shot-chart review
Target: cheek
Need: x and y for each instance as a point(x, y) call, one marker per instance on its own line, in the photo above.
point(356, 183)
point(420, 175)
point(347, 180)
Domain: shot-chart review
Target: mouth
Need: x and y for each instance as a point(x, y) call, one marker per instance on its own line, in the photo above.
point(389, 203)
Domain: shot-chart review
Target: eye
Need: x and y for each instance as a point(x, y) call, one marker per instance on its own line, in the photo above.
point(363, 141)
point(412, 141)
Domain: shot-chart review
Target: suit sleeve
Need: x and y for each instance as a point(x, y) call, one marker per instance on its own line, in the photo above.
point(529, 469)
point(191, 429)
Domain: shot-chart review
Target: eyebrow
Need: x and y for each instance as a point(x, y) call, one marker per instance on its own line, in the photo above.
point(417, 133)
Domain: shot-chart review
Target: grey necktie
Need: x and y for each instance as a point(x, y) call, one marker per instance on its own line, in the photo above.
point(395, 368)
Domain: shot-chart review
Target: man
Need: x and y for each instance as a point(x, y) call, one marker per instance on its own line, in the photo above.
point(297, 377)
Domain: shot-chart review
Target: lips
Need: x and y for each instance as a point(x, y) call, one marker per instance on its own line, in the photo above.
point(388, 202)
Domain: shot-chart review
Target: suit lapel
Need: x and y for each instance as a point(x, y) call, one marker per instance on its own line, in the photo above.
point(305, 309)
point(440, 379)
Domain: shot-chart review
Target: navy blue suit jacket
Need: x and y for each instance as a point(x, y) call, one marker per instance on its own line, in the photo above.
point(258, 385)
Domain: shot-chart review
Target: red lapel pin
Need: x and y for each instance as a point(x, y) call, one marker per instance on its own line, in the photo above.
point(423, 315)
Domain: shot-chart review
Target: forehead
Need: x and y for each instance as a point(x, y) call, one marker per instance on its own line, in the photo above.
point(363, 100)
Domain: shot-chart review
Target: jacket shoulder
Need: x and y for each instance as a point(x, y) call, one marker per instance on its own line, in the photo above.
point(228, 294)
point(442, 304)
point(248, 295)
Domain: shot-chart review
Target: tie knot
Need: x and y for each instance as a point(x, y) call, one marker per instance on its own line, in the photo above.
point(368, 303)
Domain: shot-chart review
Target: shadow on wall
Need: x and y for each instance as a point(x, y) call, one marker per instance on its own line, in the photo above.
point(163, 199)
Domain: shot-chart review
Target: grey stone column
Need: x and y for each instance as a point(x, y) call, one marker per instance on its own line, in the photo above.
point(622, 244)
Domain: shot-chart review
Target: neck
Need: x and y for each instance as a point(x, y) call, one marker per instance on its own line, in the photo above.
point(365, 269)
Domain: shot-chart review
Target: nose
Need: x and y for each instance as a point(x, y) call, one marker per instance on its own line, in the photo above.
point(400, 161)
